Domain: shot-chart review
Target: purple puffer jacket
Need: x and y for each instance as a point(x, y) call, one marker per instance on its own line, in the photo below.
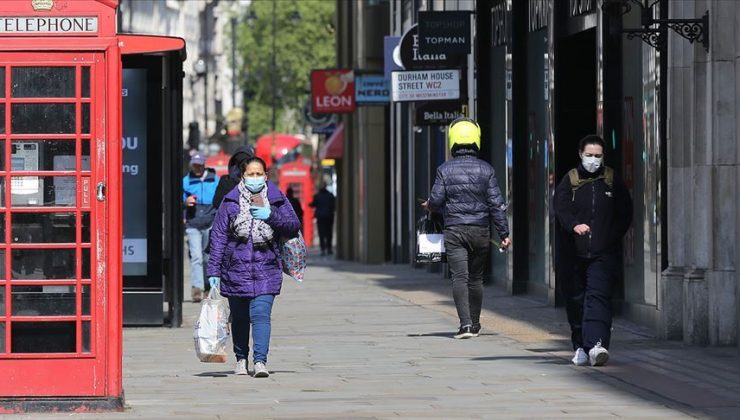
point(244, 271)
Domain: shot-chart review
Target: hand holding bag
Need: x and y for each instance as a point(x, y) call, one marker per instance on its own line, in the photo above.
point(294, 257)
point(430, 241)
point(211, 332)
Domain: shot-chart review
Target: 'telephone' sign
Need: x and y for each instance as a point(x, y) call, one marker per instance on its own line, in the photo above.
point(428, 85)
point(48, 25)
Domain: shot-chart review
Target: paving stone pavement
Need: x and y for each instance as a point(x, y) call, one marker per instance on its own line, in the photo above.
point(356, 341)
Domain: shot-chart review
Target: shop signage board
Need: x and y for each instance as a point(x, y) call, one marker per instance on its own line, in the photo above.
point(438, 112)
point(444, 32)
point(426, 85)
point(332, 91)
point(372, 89)
point(408, 55)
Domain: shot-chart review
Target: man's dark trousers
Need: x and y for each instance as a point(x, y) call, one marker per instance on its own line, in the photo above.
point(467, 249)
point(588, 300)
point(326, 229)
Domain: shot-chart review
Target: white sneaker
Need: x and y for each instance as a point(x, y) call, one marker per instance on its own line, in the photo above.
point(580, 358)
point(260, 370)
point(598, 356)
point(241, 367)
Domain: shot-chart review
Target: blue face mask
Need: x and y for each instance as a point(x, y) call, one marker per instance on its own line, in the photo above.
point(254, 183)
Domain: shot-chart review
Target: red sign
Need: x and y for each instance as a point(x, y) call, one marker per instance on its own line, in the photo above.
point(332, 91)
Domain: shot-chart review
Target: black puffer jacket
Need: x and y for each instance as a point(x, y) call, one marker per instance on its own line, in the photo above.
point(228, 182)
point(607, 211)
point(466, 193)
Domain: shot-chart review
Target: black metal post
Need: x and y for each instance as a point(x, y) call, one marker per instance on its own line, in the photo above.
point(233, 62)
point(274, 76)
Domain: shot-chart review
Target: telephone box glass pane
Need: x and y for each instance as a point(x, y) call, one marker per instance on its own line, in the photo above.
point(43, 264)
point(2, 118)
point(43, 118)
point(2, 234)
point(2, 82)
point(85, 118)
point(86, 300)
point(45, 227)
point(43, 337)
point(43, 82)
point(86, 82)
point(86, 336)
point(85, 263)
point(43, 191)
point(47, 155)
point(2, 337)
point(2, 305)
point(43, 300)
point(2, 268)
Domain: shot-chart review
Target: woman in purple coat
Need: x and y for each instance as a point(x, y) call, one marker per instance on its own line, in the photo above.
point(245, 259)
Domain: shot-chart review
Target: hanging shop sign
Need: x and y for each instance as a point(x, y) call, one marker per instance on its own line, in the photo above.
point(332, 91)
point(438, 112)
point(327, 129)
point(317, 120)
point(372, 89)
point(579, 7)
point(408, 56)
point(444, 32)
point(390, 43)
point(426, 85)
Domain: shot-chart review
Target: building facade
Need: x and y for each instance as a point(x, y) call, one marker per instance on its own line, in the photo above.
point(543, 74)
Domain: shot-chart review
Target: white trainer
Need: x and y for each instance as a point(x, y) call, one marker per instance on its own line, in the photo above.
point(241, 367)
point(580, 358)
point(260, 370)
point(598, 356)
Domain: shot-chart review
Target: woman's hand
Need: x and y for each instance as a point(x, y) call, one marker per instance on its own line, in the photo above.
point(260, 213)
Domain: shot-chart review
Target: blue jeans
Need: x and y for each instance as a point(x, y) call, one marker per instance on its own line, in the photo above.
point(254, 312)
point(197, 240)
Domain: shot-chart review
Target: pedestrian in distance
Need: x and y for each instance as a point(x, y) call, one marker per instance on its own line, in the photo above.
point(324, 203)
point(593, 209)
point(198, 186)
point(296, 203)
point(467, 194)
point(245, 262)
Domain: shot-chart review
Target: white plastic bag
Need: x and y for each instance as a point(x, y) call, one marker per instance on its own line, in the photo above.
point(211, 332)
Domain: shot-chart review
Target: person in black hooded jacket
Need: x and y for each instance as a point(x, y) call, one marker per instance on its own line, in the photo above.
point(467, 195)
point(593, 209)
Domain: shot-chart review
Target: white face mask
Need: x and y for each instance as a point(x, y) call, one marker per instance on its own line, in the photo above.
point(591, 163)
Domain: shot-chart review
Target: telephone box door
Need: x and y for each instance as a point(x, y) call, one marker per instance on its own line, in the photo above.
point(53, 297)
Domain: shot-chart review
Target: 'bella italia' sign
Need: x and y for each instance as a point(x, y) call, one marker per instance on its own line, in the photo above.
point(10, 25)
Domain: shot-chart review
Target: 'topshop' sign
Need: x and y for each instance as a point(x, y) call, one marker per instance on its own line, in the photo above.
point(332, 91)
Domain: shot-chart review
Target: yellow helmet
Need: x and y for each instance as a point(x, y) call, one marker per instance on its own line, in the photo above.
point(463, 131)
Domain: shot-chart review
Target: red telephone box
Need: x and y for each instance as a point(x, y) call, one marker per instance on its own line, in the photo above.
point(298, 176)
point(60, 205)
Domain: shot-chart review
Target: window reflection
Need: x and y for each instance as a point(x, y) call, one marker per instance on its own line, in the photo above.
point(43, 264)
point(43, 118)
point(43, 300)
point(48, 227)
point(43, 337)
point(43, 82)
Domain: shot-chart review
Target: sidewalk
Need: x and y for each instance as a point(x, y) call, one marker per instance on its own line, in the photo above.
point(356, 341)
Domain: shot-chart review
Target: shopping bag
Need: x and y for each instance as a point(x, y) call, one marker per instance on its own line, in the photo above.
point(294, 257)
point(430, 241)
point(211, 332)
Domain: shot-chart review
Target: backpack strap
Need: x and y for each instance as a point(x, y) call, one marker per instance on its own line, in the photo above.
point(576, 182)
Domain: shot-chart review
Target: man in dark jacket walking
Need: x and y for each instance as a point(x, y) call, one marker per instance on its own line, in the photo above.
point(594, 210)
point(324, 203)
point(466, 192)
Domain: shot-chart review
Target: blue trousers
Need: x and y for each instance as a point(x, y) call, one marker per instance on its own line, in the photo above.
point(588, 296)
point(255, 313)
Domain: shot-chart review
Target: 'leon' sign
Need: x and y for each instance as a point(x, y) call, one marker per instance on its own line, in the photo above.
point(332, 91)
point(48, 25)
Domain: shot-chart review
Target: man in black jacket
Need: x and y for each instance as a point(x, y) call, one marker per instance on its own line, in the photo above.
point(325, 205)
point(594, 210)
point(466, 192)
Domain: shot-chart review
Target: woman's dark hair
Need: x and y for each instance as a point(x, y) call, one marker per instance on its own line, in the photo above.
point(590, 139)
point(253, 159)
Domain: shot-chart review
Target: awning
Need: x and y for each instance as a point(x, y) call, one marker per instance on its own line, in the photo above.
point(334, 146)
